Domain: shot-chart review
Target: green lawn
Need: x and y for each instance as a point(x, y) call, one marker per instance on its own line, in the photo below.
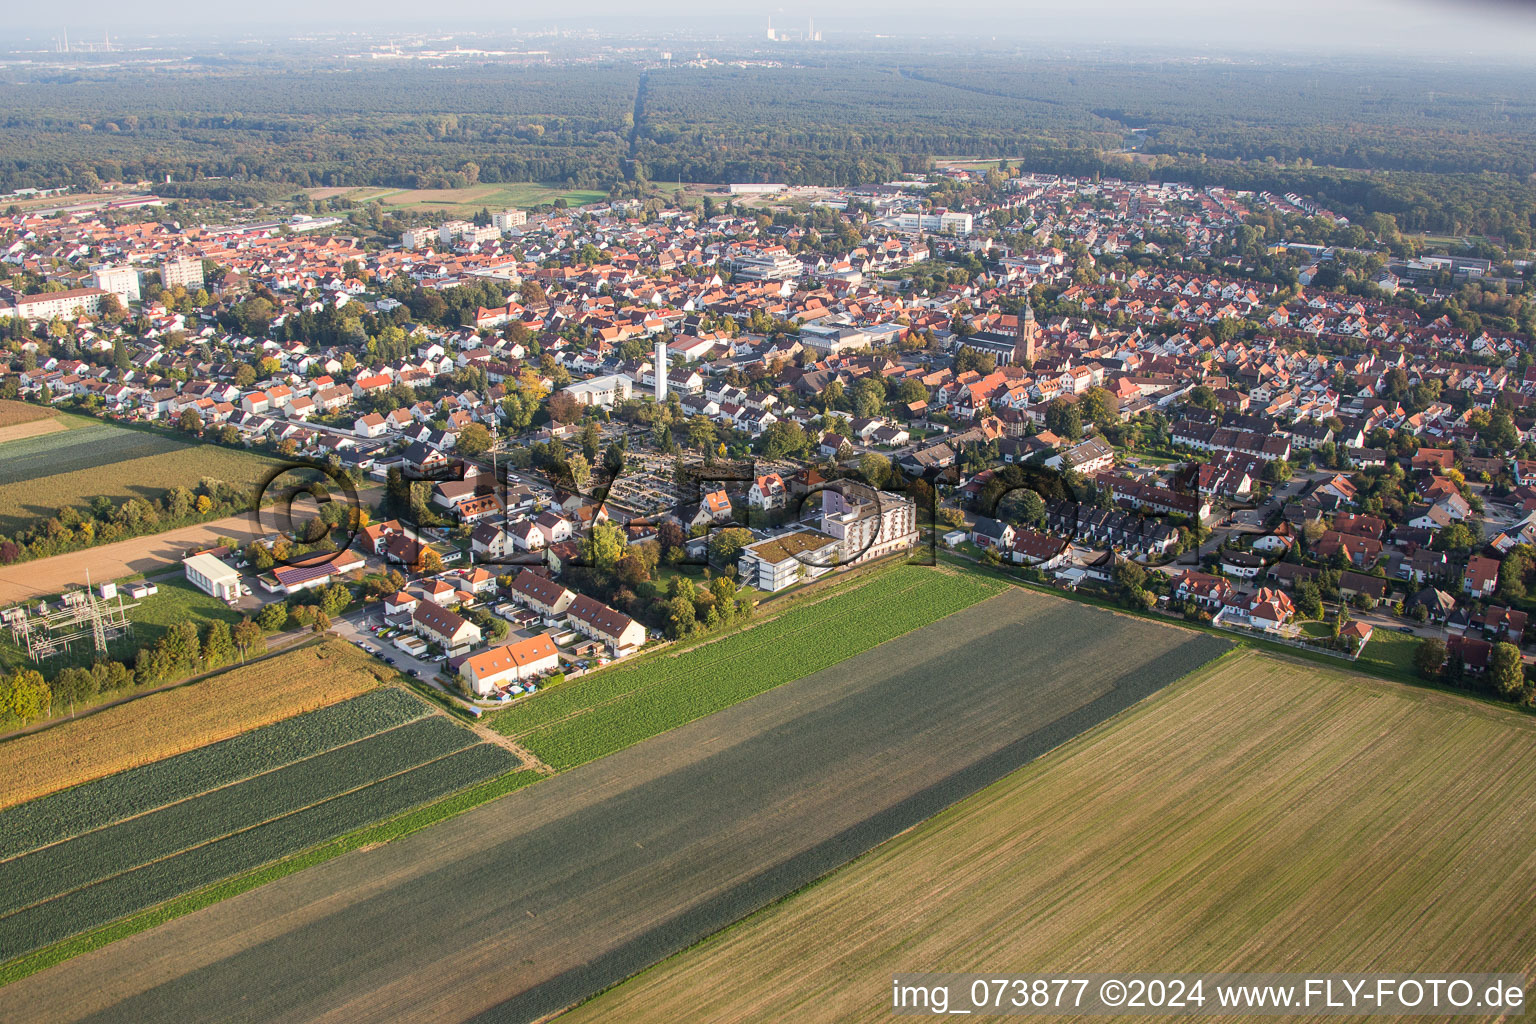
point(177, 600)
point(590, 717)
point(1391, 651)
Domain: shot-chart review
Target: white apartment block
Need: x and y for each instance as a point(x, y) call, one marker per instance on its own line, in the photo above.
point(59, 304)
point(453, 229)
point(188, 273)
point(867, 523)
point(509, 219)
point(791, 558)
point(943, 223)
point(120, 281)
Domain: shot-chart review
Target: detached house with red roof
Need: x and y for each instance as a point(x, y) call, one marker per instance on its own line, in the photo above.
point(1482, 576)
point(371, 425)
point(1268, 609)
point(1208, 591)
point(714, 507)
point(768, 492)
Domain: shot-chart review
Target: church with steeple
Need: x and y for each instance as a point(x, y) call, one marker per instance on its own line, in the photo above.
point(1020, 348)
point(1026, 346)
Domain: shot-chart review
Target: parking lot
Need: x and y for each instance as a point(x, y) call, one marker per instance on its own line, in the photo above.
point(358, 628)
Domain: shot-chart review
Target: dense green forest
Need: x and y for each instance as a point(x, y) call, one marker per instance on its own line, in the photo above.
point(1443, 149)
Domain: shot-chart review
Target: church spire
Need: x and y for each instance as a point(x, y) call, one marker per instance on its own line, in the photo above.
point(1024, 349)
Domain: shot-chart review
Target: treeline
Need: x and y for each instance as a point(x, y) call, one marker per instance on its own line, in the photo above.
point(105, 520)
point(401, 127)
point(1442, 150)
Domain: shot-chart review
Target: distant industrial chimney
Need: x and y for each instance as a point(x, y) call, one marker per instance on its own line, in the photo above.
point(660, 361)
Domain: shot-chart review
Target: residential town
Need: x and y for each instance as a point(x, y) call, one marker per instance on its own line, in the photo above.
point(568, 412)
point(511, 513)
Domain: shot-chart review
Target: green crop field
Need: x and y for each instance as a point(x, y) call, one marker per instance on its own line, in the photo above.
point(471, 200)
point(583, 720)
point(106, 801)
point(86, 448)
point(39, 475)
point(86, 856)
point(1264, 814)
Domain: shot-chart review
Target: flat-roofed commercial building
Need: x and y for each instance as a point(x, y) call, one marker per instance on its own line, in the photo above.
point(212, 576)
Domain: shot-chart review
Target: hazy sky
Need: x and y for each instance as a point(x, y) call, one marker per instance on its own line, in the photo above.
point(1424, 28)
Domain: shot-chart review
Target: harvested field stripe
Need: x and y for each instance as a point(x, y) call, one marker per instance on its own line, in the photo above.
point(1261, 814)
point(59, 816)
point(228, 810)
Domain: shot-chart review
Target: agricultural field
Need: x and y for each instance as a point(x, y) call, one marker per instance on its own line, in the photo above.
point(541, 898)
point(583, 720)
point(471, 200)
point(89, 855)
point(21, 420)
point(1264, 814)
point(136, 790)
point(39, 475)
point(172, 721)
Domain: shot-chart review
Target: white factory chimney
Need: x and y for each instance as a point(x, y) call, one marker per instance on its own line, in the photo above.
point(660, 362)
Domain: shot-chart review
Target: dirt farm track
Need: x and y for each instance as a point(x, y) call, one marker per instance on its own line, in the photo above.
point(148, 554)
point(534, 901)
